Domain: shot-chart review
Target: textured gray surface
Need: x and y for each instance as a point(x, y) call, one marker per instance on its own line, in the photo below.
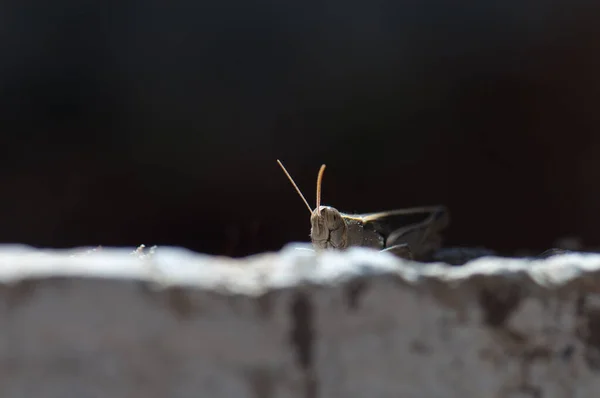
point(171, 323)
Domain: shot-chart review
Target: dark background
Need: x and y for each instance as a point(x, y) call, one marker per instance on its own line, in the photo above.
point(152, 122)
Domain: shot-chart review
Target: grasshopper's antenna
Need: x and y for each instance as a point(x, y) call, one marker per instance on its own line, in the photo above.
point(295, 186)
point(319, 180)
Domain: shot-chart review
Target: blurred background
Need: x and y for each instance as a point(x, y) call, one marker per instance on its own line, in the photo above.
point(127, 123)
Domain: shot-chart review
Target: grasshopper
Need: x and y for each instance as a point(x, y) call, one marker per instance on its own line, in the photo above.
point(412, 233)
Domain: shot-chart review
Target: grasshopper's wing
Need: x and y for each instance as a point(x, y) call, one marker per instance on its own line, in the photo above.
point(419, 227)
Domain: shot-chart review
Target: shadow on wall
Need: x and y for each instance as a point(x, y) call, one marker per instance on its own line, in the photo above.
point(135, 122)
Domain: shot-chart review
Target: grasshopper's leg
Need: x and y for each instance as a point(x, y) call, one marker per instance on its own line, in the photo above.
point(401, 250)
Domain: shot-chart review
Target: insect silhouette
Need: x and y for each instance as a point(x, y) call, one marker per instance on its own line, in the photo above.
point(411, 233)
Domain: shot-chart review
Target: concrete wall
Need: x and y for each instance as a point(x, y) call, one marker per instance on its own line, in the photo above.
point(172, 323)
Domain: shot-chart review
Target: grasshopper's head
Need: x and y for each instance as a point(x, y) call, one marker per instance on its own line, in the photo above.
point(328, 228)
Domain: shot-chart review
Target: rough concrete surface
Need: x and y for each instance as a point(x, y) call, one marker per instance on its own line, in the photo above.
point(171, 323)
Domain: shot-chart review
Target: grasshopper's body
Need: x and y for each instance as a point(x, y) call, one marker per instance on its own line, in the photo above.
point(413, 232)
point(409, 233)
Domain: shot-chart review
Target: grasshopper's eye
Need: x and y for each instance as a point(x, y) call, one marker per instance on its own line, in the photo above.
point(334, 216)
